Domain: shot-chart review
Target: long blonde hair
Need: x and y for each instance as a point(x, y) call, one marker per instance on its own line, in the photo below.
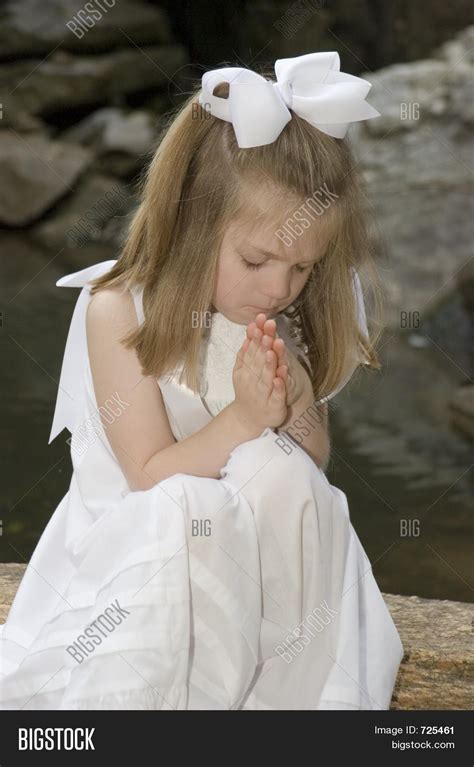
point(190, 193)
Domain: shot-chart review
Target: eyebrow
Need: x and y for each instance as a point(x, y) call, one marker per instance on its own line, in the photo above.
point(269, 254)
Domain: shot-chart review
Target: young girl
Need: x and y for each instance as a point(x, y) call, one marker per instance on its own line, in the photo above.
point(201, 559)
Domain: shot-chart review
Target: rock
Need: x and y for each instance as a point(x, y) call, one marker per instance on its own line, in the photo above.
point(367, 34)
point(90, 130)
point(36, 27)
point(132, 134)
point(407, 95)
point(458, 49)
point(438, 666)
point(416, 162)
point(10, 578)
point(462, 409)
point(65, 81)
point(399, 89)
point(112, 129)
point(83, 217)
point(121, 141)
point(466, 287)
point(36, 173)
point(437, 671)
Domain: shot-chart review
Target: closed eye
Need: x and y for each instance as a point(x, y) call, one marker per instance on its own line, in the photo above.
point(254, 267)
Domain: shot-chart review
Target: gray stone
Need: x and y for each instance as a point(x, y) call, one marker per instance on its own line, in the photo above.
point(36, 173)
point(418, 173)
point(121, 141)
point(65, 81)
point(90, 130)
point(466, 287)
point(132, 134)
point(462, 409)
point(83, 217)
point(36, 27)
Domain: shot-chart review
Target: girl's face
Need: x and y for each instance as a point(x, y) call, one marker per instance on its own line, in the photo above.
point(259, 271)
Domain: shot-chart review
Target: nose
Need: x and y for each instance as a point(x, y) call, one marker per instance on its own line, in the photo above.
point(277, 288)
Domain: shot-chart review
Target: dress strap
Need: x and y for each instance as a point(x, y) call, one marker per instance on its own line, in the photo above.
point(70, 397)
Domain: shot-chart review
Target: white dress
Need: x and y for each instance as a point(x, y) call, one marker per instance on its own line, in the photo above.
point(251, 591)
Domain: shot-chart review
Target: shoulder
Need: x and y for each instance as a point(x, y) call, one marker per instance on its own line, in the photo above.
point(111, 307)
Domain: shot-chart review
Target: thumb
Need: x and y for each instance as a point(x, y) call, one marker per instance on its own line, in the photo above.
point(241, 354)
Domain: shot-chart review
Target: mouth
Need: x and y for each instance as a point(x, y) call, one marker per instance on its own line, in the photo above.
point(265, 311)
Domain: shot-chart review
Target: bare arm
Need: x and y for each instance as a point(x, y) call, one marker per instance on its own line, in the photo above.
point(205, 452)
point(141, 436)
point(308, 425)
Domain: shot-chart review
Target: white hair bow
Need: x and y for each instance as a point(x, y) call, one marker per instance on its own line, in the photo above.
point(311, 85)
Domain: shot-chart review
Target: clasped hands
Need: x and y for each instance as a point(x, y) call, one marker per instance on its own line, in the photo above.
point(267, 376)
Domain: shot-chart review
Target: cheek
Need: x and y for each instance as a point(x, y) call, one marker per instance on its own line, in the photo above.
point(230, 281)
point(299, 284)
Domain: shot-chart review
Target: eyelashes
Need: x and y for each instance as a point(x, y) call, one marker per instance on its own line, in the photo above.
point(254, 267)
point(248, 265)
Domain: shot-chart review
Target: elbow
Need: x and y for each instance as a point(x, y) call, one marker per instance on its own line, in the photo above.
point(141, 480)
point(140, 485)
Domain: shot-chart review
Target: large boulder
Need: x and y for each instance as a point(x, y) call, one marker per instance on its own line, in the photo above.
point(121, 140)
point(416, 160)
point(95, 212)
point(462, 409)
point(65, 81)
point(36, 173)
point(36, 27)
point(437, 671)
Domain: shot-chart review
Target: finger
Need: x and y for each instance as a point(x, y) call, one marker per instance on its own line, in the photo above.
point(266, 326)
point(250, 329)
point(240, 356)
point(280, 347)
point(267, 342)
point(279, 390)
point(260, 355)
point(245, 345)
point(269, 370)
point(282, 372)
point(269, 328)
point(254, 345)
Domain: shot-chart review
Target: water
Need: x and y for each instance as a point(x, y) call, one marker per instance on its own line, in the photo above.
point(396, 455)
point(407, 472)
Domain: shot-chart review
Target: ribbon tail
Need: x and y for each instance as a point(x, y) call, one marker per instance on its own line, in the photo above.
point(70, 394)
point(361, 314)
point(362, 322)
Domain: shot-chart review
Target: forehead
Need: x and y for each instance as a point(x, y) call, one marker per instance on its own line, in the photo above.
point(286, 228)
